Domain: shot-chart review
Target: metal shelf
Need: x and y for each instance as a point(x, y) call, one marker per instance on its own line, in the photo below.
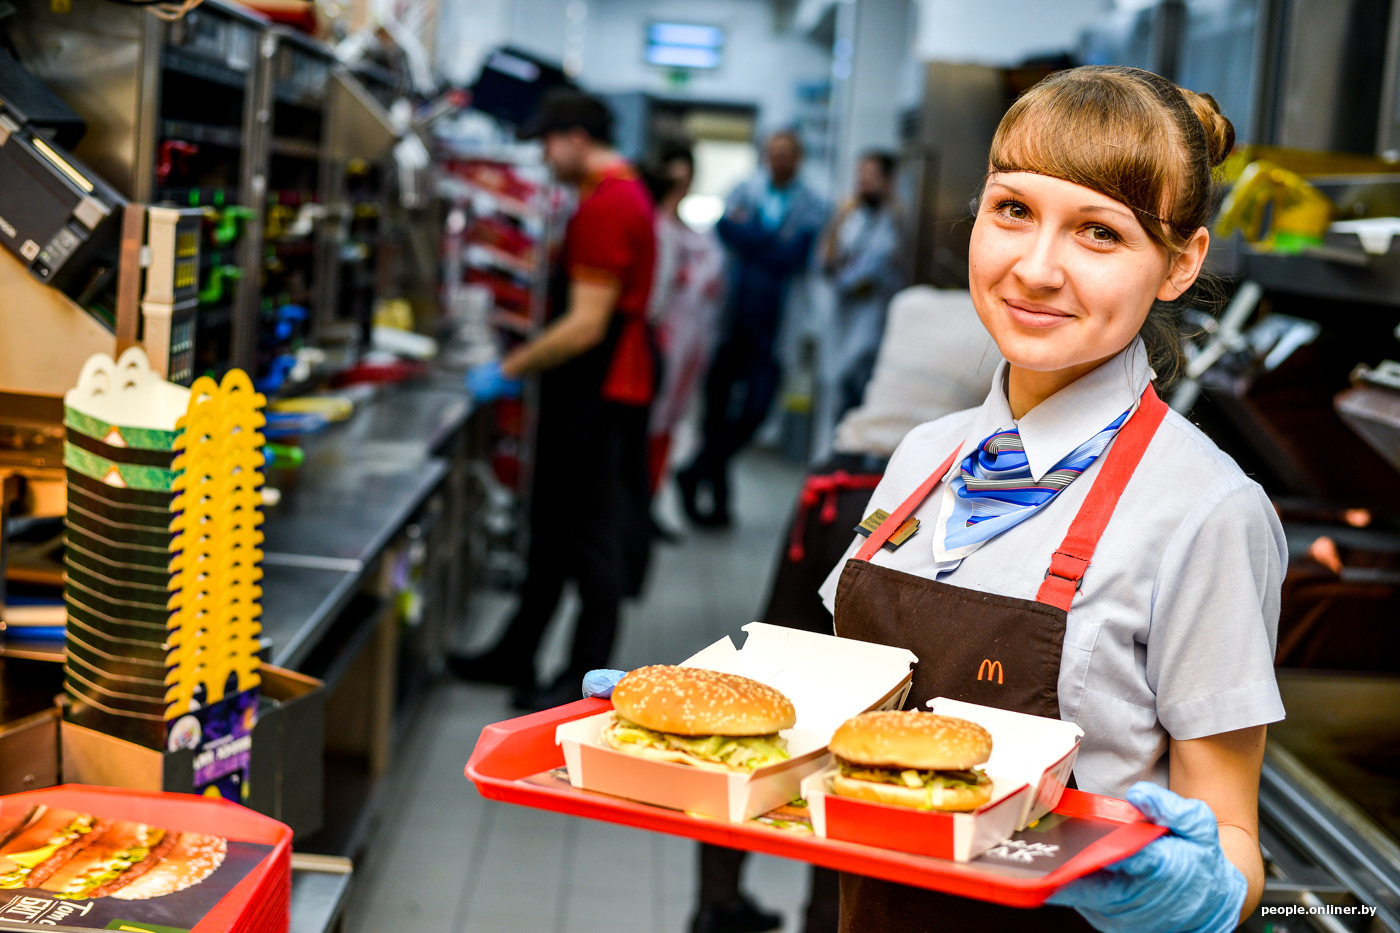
point(204, 133)
point(295, 148)
point(193, 66)
point(1376, 283)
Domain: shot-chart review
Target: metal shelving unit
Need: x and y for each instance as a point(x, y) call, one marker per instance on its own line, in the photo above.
point(174, 116)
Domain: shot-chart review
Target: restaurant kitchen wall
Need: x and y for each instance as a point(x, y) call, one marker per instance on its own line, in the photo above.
point(603, 42)
point(1002, 32)
point(764, 61)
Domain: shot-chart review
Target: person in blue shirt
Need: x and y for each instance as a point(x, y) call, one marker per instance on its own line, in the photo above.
point(768, 229)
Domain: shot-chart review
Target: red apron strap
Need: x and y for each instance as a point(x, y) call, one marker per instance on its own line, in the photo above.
point(890, 525)
point(1068, 564)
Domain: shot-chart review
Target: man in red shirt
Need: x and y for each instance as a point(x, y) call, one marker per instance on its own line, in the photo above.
point(597, 370)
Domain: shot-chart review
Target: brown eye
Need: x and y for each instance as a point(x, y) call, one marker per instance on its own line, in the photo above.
point(1013, 210)
point(1101, 234)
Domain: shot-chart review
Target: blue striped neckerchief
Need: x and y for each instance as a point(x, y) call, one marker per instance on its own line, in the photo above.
point(996, 491)
point(1107, 393)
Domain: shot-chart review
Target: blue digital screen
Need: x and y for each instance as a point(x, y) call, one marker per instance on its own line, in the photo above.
point(684, 45)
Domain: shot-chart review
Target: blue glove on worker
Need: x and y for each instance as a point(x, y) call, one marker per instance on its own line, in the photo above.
point(1180, 883)
point(600, 683)
point(487, 383)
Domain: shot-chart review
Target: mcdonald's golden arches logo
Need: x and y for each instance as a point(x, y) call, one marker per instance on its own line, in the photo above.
point(989, 669)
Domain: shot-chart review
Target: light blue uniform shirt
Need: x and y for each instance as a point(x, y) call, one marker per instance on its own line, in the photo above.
point(1174, 628)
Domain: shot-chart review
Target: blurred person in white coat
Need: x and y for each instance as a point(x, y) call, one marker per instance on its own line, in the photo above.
point(686, 294)
point(860, 258)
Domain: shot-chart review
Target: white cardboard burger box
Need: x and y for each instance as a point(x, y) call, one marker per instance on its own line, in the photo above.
point(1032, 758)
point(828, 679)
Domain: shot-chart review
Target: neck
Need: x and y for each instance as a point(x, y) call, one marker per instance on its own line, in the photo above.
point(1027, 388)
point(599, 158)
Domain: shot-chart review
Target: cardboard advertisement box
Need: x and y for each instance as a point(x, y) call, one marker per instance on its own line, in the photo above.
point(828, 679)
point(286, 763)
point(1032, 758)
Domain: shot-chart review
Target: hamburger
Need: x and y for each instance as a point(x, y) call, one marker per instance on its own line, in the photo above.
point(912, 759)
point(706, 719)
point(79, 856)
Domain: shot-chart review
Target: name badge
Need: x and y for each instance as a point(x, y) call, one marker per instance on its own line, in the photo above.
point(877, 518)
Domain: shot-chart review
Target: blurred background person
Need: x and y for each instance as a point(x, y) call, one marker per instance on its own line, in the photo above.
point(768, 229)
point(935, 358)
point(597, 365)
point(860, 257)
point(685, 304)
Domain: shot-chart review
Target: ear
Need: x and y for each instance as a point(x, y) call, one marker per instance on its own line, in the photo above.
point(1185, 267)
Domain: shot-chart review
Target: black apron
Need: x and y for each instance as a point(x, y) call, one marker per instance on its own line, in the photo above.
point(982, 648)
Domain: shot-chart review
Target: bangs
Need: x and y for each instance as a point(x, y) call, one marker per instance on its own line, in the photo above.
point(1100, 134)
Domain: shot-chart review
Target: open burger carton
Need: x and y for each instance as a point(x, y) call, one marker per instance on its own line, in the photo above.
point(828, 680)
point(1032, 758)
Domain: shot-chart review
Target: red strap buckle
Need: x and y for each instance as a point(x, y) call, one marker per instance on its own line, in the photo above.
point(1067, 567)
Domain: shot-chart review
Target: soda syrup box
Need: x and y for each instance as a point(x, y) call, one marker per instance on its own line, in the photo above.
point(1032, 758)
point(828, 679)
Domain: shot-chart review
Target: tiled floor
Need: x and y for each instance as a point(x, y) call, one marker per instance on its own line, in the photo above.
point(446, 861)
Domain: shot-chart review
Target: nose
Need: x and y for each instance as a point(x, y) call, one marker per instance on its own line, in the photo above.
point(1040, 265)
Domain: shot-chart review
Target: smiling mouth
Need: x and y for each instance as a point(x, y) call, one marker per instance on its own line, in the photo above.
point(1036, 315)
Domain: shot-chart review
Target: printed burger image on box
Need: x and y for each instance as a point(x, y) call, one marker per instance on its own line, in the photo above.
point(828, 680)
point(69, 869)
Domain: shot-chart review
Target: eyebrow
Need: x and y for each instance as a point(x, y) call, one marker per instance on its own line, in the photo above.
point(1086, 209)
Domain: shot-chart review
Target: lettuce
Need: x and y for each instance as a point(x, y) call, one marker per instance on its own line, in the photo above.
point(745, 752)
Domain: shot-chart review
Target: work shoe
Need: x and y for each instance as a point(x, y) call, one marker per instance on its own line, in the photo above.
point(744, 916)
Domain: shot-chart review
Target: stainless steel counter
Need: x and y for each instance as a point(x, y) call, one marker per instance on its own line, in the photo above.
point(1329, 796)
point(361, 483)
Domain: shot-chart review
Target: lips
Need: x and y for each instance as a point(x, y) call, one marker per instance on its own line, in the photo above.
point(1036, 316)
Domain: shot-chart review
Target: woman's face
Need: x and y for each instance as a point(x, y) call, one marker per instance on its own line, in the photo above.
point(1063, 276)
point(680, 175)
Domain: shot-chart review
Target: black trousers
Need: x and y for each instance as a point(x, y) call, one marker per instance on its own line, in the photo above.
point(739, 390)
point(587, 525)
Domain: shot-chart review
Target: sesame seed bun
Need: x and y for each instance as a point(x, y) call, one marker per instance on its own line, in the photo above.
point(911, 739)
point(694, 701)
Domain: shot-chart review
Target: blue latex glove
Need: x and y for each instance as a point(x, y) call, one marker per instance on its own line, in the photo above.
point(1180, 883)
point(600, 683)
point(487, 383)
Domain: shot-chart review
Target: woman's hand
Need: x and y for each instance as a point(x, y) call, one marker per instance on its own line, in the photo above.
point(1180, 883)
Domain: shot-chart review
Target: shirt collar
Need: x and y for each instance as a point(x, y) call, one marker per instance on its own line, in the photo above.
point(1071, 416)
point(619, 169)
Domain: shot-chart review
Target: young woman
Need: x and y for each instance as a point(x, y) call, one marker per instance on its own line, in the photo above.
point(1083, 552)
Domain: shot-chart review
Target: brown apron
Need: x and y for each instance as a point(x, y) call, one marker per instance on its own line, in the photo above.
point(981, 648)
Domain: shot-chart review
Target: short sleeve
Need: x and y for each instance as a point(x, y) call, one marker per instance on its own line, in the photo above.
point(600, 249)
point(1215, 610)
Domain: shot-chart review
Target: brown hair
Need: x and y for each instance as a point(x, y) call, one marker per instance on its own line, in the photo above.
point(1137, 138)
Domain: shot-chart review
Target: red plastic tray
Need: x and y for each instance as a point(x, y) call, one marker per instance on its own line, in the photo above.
point(510, 751)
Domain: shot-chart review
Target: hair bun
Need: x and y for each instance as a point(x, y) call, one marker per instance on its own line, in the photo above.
point(1220, 132)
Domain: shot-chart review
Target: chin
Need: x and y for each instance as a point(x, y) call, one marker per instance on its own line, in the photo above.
point(1036, 355)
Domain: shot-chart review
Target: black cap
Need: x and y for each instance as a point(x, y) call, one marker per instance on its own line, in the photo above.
point(565, 109)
